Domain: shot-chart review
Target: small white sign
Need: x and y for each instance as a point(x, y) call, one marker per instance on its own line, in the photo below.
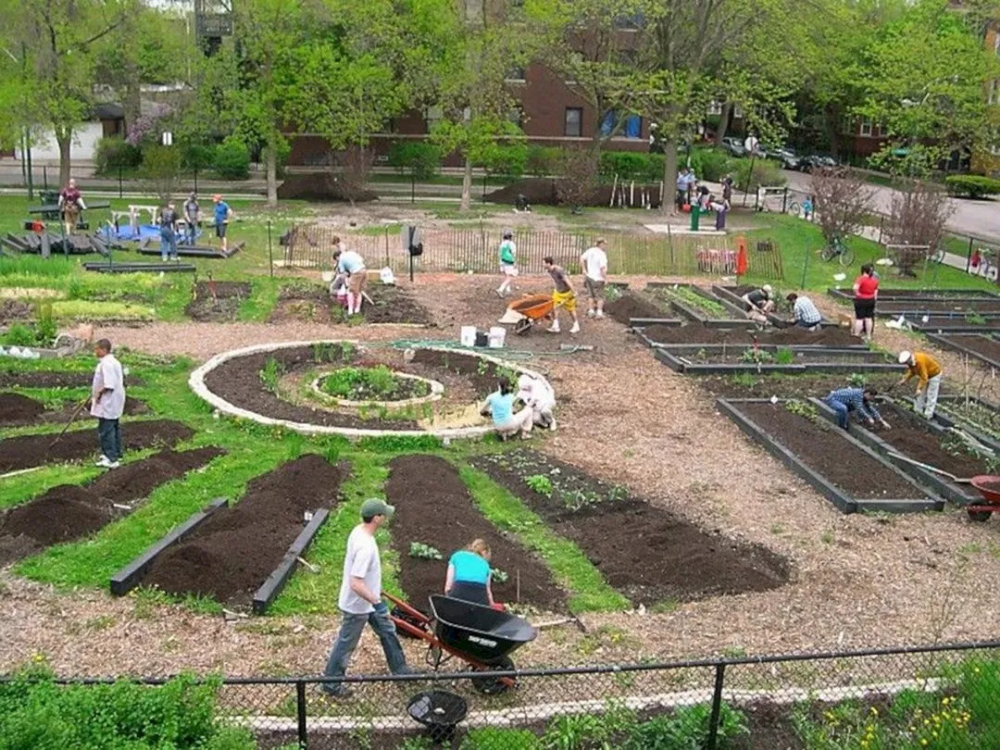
point(168, 138)
point(751, 143)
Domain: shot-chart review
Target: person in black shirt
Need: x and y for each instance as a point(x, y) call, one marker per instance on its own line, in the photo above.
point(168, 233)
point(758, 304)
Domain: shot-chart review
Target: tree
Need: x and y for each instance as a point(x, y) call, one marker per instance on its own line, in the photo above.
point(842, 202)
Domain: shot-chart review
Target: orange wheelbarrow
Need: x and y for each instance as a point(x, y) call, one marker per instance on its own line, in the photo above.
point(528, 311)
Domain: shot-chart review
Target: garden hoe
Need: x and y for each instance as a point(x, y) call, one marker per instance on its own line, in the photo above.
point(942, 472)
point(72, 419)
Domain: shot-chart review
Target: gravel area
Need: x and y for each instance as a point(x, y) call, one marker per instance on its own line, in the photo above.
point(856, 580)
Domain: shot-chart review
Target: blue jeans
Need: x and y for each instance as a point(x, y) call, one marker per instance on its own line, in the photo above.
point(168, 244)
point(351, 627)
point(840, 409)
point(110, 436)
point(804, 324)
point(191, 232)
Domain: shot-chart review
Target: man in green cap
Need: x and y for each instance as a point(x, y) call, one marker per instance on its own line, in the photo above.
point(361, 600)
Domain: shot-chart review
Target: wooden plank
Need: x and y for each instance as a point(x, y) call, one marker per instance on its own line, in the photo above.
point(269, 591)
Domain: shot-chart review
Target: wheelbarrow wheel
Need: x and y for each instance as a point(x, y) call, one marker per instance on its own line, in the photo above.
point(979, 516)
point(493, 685)
point(522, 326)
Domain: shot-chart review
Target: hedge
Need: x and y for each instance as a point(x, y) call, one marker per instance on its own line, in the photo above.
point(115, 153)
point(232, 160)
point(420, 159)
point(972, 185)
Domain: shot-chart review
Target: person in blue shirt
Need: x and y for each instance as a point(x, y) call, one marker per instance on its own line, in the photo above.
point(469, 575)
point(500, 406)
point(858, 400)
point(223, 213)
point(807, 208)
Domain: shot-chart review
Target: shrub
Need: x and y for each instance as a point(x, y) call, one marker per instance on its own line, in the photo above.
point(972, 185)
point(421, 160)
point(509, 159)
point(629, 165)
point(197, 156)
point(114, 154)
point(712, 164)
point(161, 165)
point(232, 160)
point(19, 335)
point(765, 173)
point(578, 181)
point(543, 161)
point(842, 201)
point(917, 216)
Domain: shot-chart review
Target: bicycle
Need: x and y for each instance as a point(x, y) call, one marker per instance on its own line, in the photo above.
point(837, 249)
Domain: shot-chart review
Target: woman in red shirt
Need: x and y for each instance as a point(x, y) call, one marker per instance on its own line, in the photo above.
point(865, 294)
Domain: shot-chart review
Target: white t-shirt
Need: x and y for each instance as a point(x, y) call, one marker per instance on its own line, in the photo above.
point(536, 393)
point(595, 263)
point(361, 561)
point(108, 375)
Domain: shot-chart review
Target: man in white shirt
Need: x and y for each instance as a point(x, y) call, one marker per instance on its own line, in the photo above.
point(351, 263)
point(361, 602)
point(539, 397)
point(107, 402)
point(595, 270)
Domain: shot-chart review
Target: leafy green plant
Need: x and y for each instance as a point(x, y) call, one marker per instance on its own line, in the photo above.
point(972, 185)
point(45, 324)
point(423, 551)
point(687, 729)
point(756, 356)
point(802, 409)
point(377, 383)
point(271, 374)
point(540, 483)
point(19, 335)
point(500, 576)
point(613, 293)
point(691, 297)
point(491, 738)
point(784, 356)
point(973, 318)
point(857, 380)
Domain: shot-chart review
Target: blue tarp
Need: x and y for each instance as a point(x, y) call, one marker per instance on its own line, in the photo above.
point(126, 233)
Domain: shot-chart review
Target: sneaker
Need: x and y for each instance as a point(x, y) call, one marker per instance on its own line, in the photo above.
point(600, 314)
point(575, 328)
point(103, 461)
point(553, 329)
point(336, 691)
point(552, 424)
point(590, 313)
point(112, 465)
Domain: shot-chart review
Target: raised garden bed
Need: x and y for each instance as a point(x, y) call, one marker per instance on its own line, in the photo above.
point(975, 415)
point(752, 385)
point(839, 466)
point(734, 296)
point(913, 296)
point(941, 325)
point(632, 309)
point(712, 360)
point(28, 451)
point(643, 551)
point(799, 337)
point(229, 556)
point(69, 512)
point(423, 488)
point(699, 305)
point(217, 301)
point(985, 349)
point(915, 438)
point(17, 409)
point(315, 304)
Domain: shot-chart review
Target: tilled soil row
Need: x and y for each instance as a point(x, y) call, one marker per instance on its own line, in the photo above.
point(643, 551)
point(427, 489)
point(69, 512)
point(231, 554)
point(27, 451)
point(217, 301)
point(14, 379)
point(18, 409)
point(391, 305)
point(698, 334)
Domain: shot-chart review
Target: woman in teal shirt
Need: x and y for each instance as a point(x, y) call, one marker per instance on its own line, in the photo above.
point(469, 575)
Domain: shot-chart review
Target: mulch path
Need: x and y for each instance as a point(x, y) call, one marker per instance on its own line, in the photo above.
point(643, 551)
point(69, 512)
point(27, 451)
point(231, 554)
point(434, 507)
point(828, 454)
point(698, 334)
point(217, 301)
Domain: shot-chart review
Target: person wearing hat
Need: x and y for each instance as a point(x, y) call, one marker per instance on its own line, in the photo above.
point(759, 303)
point(925, 367)
point(361, 602)
point(508, 263)
point(223, 213)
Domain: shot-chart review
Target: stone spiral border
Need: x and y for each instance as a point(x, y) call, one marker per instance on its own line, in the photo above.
point(197, 384)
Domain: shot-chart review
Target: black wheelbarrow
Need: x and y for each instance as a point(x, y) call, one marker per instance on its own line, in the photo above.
point(481, 636)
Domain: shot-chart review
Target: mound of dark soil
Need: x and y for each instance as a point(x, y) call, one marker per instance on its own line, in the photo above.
point(231, 554)
point(391, 305)
point(420, 487)
point(18, 409)
point(631, 305)
point(698, 334)
point(26, 451)
point(70, 512)
point(14, 378)
point(321, 187)
point(217, 301)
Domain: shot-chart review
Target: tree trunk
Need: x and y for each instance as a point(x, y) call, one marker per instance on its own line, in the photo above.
point(466, 186)
point(271, 160)
point(720, 133)
point(65, 140)
point(669, 175)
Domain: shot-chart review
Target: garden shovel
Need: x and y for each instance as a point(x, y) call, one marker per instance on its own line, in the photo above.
point(72, 419)
point(942, 472)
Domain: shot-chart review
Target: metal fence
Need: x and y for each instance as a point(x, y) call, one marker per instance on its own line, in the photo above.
point(895, 696)
point(475, 250)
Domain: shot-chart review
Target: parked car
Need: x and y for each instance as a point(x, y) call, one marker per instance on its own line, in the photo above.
point(809, 163)
point(787, 158)
point(734, 146)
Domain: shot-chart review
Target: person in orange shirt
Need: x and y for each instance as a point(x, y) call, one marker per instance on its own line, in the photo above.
point(928, 370)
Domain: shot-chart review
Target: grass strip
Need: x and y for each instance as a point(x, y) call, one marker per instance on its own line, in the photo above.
point(588, 590)
point(257, 308)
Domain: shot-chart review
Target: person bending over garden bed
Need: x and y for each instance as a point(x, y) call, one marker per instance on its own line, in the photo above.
point(469, 575)
point(858, 400)
point(928, 370)
point(804, 312)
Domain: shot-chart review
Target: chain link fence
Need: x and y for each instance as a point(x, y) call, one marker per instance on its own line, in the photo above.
point(945, 696)
point(476, 251)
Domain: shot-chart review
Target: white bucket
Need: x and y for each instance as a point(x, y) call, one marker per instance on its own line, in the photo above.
point(497, 336)
point(468, 336)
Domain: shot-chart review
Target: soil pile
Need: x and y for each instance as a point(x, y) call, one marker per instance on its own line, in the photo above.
point(26, 451)
point(18, 409)
point(643, 551)
point(699, 334)
point(233, 552)
point(421, 487)
point(13, 378)
point(630, 306)
point(15, 309)
point(389, 304)
point(70, 512)
point(217, 301)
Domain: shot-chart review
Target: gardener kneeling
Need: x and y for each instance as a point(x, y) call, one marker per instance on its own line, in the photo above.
point(859, 400)
point(507, 422)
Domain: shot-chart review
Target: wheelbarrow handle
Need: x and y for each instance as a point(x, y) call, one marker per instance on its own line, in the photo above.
point(407, 608)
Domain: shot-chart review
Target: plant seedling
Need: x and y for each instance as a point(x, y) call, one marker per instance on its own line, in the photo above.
point(423, 551)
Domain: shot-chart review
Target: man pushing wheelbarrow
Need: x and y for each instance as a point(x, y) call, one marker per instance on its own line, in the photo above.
point(527, 311)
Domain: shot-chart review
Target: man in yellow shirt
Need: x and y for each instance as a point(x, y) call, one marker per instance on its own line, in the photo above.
point(928, 370)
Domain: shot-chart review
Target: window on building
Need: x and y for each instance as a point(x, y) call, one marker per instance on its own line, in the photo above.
point(866, 126)
point(574, 122)
point(737, 112)
point(630, 128)
point(714, 108)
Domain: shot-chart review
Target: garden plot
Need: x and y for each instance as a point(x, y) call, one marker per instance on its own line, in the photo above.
point(69, 512)
point(783, 309)
point(973, 414)
point(436, 515)
point(17, 409)
point(698, 305)
point(643, 551)
point(232, 553)
point(848, 473)
point(315, 304)
point(713, 359)
point(11, 378)
point(765, 385)
point(914, 296)
point(985, 349)
point(217, 301)
point(917, 439)
point(694, 333)
point(632, 309)
point(966, 324)
point(28, 451)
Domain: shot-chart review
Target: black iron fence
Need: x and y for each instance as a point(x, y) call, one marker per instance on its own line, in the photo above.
point(944, 696)
point(475, 250)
